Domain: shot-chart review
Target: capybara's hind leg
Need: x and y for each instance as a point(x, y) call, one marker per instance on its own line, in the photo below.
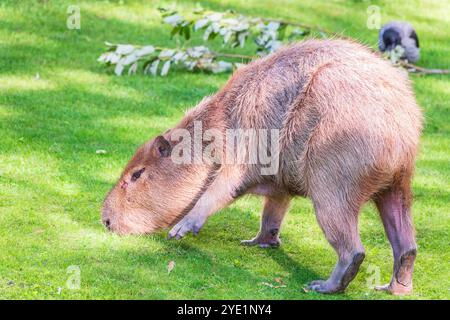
point(340, 225)
point(273, 213)
point(394, 206)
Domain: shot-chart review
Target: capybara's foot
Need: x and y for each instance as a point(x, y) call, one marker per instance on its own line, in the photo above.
point(401, 282)
point(326, 286)
point(273, 242)
point(343, 273)
point(395, 289)
point(188, 224)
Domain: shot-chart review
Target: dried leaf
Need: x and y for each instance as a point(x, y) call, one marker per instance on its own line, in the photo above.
point(273, 286)
point(267, 284)
point(170, 266)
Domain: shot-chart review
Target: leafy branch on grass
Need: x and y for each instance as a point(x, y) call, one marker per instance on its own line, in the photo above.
point(234, 29)
point(395, 57)
point(158, 60)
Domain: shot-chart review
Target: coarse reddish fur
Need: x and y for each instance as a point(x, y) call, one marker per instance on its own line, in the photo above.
point(349, 132)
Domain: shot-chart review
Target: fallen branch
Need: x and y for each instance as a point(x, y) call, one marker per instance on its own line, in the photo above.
point(234, 29)
point(416, 69)
point(408, 66)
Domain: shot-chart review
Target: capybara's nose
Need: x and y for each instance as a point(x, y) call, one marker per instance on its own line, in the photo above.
point(107, 223)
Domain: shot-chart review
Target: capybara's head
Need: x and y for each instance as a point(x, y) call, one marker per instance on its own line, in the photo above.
point(153, 192)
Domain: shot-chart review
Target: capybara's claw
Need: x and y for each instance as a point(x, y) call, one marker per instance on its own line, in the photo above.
point(248, 242)
point(186, 225)
point(323, 286)
point(274, 243)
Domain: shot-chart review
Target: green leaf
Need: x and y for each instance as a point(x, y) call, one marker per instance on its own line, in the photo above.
point(212, 36)
point(187, 32)
point(282, 31)
point(175, 30)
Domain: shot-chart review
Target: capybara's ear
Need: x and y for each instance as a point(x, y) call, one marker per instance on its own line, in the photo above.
point(162, 147)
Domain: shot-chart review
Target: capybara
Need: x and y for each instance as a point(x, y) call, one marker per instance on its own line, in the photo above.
point(344, 128)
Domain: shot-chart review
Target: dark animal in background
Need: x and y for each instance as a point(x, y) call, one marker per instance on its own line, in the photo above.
point(399, 33)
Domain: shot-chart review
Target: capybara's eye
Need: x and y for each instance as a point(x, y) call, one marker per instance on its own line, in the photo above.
point(137, 174)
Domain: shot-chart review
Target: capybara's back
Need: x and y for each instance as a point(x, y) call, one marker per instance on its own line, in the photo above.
point(342, 111)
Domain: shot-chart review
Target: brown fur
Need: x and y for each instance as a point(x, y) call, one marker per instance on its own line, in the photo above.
point(349, 132)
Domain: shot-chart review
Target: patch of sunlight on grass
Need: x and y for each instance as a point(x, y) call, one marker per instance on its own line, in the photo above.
point(30, 164)
point(84, 78)
point(127, 14)
point(37, 170)
point(5, 111)
point(95, 83)
point(157, 124)
point(83, 237)
point(25, 82)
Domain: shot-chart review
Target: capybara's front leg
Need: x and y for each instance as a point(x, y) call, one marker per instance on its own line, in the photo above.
point(394, 206)
point(275, 208)
point(339, 222)
point(208, 204)
point(216, 197)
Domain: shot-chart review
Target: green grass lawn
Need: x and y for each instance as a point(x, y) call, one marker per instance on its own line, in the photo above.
point(52, 182)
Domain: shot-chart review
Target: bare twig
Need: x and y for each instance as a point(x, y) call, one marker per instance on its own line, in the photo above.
point(300, 25)
point(234, 55)
point(416, 69)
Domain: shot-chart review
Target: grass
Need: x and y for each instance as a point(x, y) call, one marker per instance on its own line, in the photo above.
point(52, 182)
